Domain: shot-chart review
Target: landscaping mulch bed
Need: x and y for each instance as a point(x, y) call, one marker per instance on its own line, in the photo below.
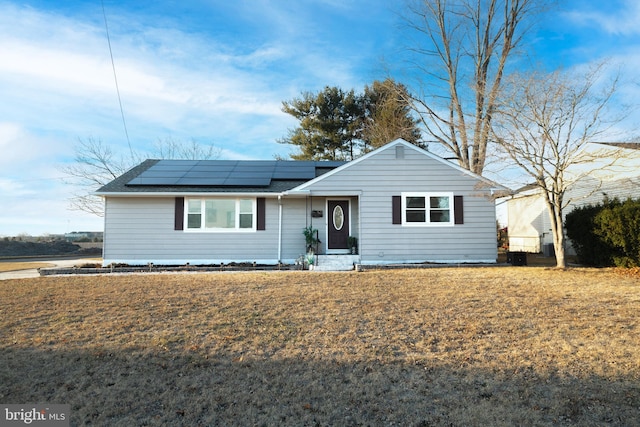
point(93, 268)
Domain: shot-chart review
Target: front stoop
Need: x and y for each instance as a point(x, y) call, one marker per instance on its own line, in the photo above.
point(336, 262)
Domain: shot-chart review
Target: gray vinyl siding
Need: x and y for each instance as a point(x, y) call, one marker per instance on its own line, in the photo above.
point(382, 176)
point(141, 230)
point(529, 217)
point(319, 203)
point(297, 216)
point(593, 192)
point(293, 223)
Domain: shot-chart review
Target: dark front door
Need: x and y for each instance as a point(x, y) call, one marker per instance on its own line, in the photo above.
point(338, 211)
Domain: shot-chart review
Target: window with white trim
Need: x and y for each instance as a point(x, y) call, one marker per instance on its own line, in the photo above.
point(427, 209)
point(220, 214)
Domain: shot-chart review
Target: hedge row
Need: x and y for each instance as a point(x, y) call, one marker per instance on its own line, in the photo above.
point(19, 248)
point(606, 234)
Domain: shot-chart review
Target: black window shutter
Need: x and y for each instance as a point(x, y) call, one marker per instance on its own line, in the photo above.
point(179, 214)
point(396, 203)
point(260, 211)
point(458, 210)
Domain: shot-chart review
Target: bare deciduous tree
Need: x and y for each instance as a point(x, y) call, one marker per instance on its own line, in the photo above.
point(462, 54)
point(96, 163)
point(388, 115)
point(546, 125)
point(170, 148)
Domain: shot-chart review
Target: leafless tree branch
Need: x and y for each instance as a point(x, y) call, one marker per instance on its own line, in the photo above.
point(546, 123)
point(96, 163)
point(463, 50)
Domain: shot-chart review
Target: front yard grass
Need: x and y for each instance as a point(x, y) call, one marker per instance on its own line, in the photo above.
point(21, 265)
point(443, 346)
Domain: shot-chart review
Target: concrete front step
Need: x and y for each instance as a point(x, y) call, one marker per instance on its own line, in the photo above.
point(336, 262)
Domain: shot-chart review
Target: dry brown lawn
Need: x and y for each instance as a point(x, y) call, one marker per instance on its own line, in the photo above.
point(16, 266)
point(498, 346)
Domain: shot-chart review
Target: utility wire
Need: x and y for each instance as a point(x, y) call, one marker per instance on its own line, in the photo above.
point(115, 78)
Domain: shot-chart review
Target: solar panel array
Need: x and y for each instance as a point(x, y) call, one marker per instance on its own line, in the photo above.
point(224, 173)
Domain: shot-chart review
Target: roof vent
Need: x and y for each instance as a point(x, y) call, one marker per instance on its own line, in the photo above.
point(399, 152)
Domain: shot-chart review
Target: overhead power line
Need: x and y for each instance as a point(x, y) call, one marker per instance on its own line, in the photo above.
point(115, 78)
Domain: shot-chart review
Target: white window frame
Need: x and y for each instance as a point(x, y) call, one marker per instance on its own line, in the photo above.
point(236, 229)
point(427, 222)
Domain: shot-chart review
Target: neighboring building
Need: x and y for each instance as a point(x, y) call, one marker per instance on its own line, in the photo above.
point(529, 225)
point(84, 235)
point(402, 203)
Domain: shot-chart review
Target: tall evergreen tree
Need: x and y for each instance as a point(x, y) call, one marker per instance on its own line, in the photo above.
point(327, 127)
point(339, 125)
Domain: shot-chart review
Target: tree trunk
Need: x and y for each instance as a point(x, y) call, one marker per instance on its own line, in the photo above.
point(555, 213)
point(558, 246)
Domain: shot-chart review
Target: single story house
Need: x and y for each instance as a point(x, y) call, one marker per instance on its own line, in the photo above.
point(616, 175)
point(403, 204)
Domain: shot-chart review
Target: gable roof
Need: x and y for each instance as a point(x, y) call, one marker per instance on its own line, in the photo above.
point(155, 177)
point(402, 142)
point(216, 176)
point(612, 165)
point(628, 145)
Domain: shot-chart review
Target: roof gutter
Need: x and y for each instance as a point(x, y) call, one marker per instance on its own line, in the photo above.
point(187, 193)
point(323, 193)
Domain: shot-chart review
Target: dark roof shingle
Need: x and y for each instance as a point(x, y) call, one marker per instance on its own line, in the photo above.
point(219, 176)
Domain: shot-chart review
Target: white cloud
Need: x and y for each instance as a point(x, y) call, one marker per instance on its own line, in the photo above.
point(617, 18)
point(13, 188)
point(43, 63)
point(224, 86)
point(20, 147)
point(166, 79)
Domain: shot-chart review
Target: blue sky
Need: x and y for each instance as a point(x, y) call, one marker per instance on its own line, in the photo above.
point(213, 71)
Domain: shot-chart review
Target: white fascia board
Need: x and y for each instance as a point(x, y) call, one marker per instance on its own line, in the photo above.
point(492, 185)
point(302, 187)
point(324, 193)
point(529, 192)
point(185, 194)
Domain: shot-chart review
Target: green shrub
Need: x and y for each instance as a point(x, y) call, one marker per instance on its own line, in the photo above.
point(618, 225)
point(606, 234)
point(590, 249)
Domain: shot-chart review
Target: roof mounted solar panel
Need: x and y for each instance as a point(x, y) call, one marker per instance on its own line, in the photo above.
point(258, 163)
point(202, 182)
point(247, 182)
point(208, 174)
point(231, 173)
point(181, 163)
point(152, 181)
point(294, 170)
point(160, 173)
point(217, 165)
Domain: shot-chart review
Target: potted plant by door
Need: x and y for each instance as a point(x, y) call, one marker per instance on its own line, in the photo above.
point(352, 242)
point(310, 258)
point(311, 238)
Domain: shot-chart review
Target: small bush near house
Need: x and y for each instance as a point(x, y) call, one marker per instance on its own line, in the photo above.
point(590, 249)
point(606, 234)
point(618, 225)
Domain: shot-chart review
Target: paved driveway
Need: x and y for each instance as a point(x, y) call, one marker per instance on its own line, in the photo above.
point(26, 274)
